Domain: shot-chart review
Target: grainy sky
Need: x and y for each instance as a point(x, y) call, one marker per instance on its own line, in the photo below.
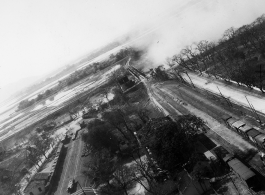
point(39, 36)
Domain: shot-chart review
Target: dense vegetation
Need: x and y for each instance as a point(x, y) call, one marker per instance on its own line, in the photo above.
point(238, 56)
point(121, 131)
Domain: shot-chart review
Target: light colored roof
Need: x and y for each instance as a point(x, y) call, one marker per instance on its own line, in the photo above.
point(209, 155)
point(244, 172)
point(238, 124)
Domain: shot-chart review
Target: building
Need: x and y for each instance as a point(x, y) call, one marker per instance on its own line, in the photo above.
point(37, 184)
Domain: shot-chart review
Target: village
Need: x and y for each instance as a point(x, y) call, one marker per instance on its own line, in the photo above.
point(142, 115)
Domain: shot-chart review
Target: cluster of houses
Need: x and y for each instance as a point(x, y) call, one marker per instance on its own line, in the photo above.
point(40, 183)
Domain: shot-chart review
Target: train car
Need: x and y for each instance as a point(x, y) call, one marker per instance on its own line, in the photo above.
point(260, 140)
point(242, 171)
point(231, 121)
point(236, 125)
point(252, 134)
point(244, 129)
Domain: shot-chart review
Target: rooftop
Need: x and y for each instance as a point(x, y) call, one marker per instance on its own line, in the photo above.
point(39, 179)
point(34, 184)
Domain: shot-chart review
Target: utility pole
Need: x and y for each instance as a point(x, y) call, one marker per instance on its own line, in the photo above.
point(190, 79)
point(148, 154)
point(254, 111)
point(260, 71)
point(226, 99)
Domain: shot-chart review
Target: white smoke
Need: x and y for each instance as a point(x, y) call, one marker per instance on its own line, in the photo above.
point(189, 23)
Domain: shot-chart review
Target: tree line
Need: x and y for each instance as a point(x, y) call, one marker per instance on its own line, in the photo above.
point(238, 56)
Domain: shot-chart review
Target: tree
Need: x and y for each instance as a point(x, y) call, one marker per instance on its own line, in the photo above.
point(119, 119)
point(123, 178)
point(180, 60)
point(191, 57)
point(41, 144)
point(170, 62)
point(32, 156)
point(172, 141)
point(203, 54)
point(101, 166)
point(142, 112)
point(119, 97)
point(101, 136)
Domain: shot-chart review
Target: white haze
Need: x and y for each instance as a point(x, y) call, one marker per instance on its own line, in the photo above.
point(193, 22)
point(37, 37)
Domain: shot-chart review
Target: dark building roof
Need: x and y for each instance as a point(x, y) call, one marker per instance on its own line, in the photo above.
point(253, 133)
point(226, 117)
point(245, 128)
point(39, 179)
point(41, 176)
point(34, 184)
